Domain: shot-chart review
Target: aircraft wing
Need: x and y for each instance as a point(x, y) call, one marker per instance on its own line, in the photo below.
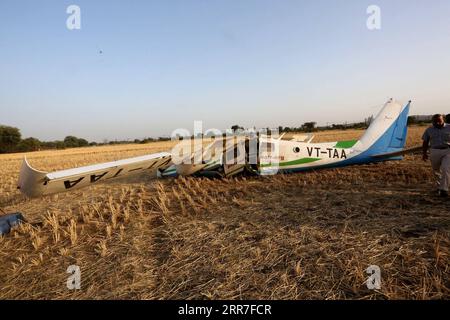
point(399, 153)
point(35, 183)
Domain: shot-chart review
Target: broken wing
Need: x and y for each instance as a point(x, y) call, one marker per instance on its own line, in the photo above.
point(35, 183)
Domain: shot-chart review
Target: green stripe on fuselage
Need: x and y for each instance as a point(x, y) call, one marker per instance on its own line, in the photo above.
point(292, 163)
point(345, 144)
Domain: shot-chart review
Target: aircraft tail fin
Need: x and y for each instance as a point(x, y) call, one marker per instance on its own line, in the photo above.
point(387, 133)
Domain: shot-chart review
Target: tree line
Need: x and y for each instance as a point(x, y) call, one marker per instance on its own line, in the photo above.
point(312, 126)
point(11, 141)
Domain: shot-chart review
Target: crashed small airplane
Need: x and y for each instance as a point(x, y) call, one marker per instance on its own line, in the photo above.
point(384, 140)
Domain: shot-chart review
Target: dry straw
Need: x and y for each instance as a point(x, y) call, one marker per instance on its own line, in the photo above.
point(302, 236)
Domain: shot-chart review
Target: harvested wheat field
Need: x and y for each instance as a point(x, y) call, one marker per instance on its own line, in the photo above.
point(300, 236)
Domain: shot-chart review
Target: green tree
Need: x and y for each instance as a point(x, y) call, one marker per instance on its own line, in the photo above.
point(9, 139)
point(29, 144)
point(82, 142)
point(60, 144)
point(412, 120)
point(236, 128)
point(71, 142)
point(74, 142)
point(309, 126)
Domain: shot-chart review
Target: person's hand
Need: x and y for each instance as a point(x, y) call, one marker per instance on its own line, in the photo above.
point(425, 157)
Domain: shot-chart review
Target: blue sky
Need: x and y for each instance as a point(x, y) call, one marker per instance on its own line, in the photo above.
point(257, 63)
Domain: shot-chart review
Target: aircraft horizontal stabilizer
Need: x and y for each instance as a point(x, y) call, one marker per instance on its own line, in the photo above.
point(399, 153)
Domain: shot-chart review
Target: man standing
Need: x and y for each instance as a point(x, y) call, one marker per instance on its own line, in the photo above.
point(437, 138)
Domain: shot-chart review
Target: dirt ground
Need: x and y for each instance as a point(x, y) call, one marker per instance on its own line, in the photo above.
point(299, 236)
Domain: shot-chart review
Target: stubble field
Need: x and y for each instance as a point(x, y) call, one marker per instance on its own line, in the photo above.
point(300, 236)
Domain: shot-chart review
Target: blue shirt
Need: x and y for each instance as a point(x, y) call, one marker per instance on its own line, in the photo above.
point(439, 138)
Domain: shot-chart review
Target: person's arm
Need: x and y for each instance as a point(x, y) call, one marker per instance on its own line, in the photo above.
point(425, 146)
